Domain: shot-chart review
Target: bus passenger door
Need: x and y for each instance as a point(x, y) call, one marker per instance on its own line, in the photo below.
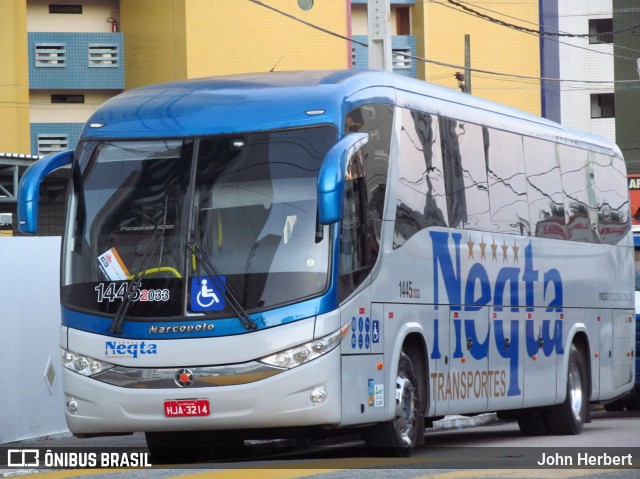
point(469, 339)
point(363, 391)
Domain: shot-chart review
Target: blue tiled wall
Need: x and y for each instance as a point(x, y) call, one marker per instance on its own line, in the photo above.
point(71, 129)
point(76, 74)
point(397, 41)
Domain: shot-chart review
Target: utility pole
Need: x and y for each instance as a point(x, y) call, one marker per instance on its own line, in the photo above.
point(467, 64)
point(379, 14)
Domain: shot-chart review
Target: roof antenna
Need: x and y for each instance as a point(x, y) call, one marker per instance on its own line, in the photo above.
point(274, 66)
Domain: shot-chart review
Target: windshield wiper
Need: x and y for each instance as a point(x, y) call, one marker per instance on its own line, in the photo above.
point(134, 283)
point(248, 323)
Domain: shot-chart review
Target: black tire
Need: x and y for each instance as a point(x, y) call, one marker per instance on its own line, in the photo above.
point(398, 437)
point(183, 447)
point(533, 424)
point(569, 417)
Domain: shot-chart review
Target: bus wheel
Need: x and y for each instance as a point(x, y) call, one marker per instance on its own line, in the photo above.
point(569, 417)
point(398, 437)
point(182, 447)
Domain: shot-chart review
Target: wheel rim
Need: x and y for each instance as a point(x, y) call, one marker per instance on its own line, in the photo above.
point(405, 409)
point(575, 392)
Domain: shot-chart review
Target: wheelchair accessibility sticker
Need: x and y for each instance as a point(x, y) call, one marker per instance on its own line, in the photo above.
point(207, 293)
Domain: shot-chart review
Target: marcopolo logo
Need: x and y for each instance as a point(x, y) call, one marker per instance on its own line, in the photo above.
point(128, 349)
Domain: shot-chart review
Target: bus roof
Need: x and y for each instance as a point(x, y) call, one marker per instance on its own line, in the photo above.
point(262, 101)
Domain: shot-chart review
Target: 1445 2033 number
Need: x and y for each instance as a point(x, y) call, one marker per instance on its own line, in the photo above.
point(408, 291)
point(112, 291)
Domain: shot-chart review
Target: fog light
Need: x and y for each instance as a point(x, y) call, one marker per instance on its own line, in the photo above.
point(318, 396)
point(72, 406)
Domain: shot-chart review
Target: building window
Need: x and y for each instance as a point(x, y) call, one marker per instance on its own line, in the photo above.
point(74, 9)
point(103, 55)
point(401, 58)
point(603, 105)
point(403, 21)
point(52, 143)
point(67, 98)
point(600, 30)
point(51, 55)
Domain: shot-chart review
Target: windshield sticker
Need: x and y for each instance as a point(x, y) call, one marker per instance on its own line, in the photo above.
point(207, 293)
point(288, 228)
point(112, 265)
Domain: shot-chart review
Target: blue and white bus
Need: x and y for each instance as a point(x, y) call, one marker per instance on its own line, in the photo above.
point(275, 254)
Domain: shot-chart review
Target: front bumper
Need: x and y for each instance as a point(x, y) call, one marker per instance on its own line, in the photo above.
point(282, 400)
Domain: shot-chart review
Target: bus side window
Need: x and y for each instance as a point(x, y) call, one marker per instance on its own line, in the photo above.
point(507, 182)
point(580, 200)
point(354, 264)
point(612, 198)
point(544, 189)
point(364, 195)
point(464, 163)
point(421, 199)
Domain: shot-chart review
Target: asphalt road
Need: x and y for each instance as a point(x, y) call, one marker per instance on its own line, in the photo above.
point(455, 449)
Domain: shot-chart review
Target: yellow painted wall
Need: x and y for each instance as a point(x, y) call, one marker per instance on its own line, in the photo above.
point(14, 78)
point(174, 39)
point(154, 40)
point(440, 35)
point(236, 37)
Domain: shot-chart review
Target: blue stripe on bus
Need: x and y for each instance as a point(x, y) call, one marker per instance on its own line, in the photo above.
point(199, 328)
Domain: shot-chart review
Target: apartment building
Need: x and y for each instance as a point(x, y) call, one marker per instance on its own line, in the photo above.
point(435, 32)
point(63, 58)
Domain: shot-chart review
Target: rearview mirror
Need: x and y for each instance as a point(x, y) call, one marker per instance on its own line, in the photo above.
point(28, 192)
point(332, 176)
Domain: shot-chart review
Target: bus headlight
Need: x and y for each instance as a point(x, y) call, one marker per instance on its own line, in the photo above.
point(303, 353)
point(85, 365)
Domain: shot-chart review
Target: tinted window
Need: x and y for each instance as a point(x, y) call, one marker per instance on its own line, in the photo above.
point(421, 189)
point(577, 183)
point(365, 189)
point(611, 197)
point(507, 183)
point(544, 189)
point(465, 175)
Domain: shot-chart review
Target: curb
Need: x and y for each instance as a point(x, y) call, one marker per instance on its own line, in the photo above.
point(462, 422)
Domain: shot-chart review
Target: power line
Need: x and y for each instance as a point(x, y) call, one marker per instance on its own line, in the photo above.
point(635, 26)
point(573, 45)
point(435, 62)
point(309, 24)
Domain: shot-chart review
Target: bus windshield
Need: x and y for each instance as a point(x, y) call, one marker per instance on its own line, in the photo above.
point(246, 201)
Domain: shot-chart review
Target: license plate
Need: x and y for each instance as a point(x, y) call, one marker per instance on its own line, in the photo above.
point(187, 407)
